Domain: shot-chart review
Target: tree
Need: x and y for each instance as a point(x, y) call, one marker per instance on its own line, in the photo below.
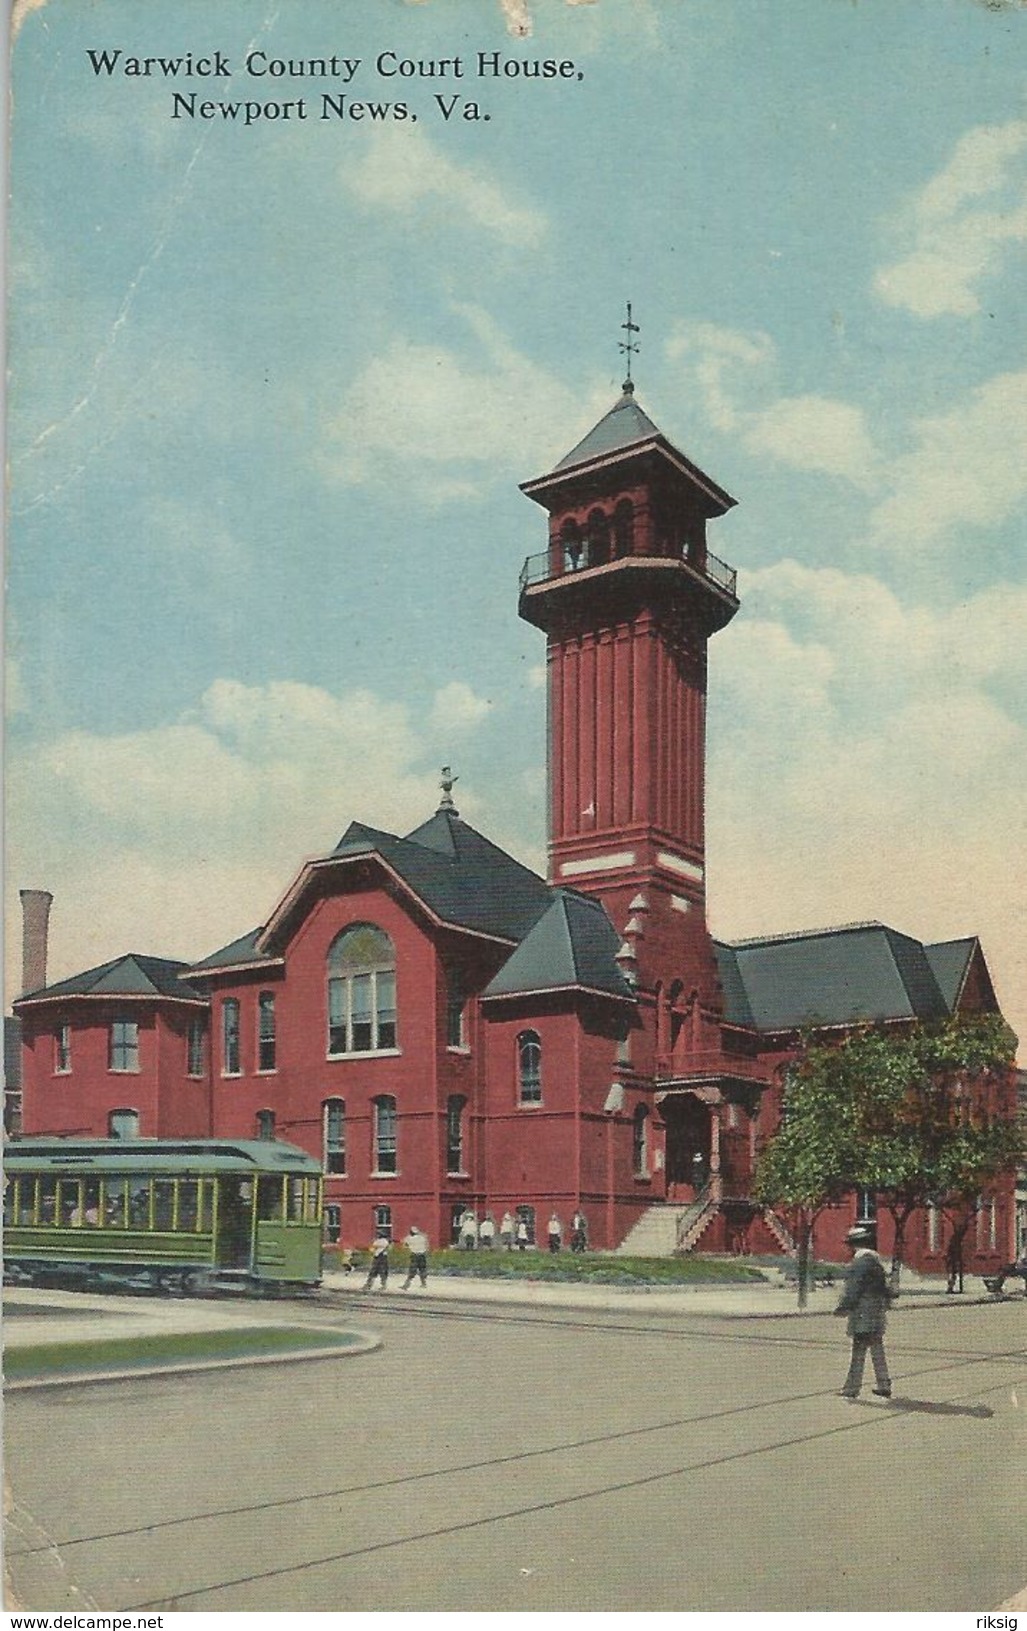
point(805, 1166)
point(926, 1114)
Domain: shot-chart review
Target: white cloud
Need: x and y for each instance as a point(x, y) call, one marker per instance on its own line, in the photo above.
point(402, 170)
point(447, 421)
point(456, 709)
point(734, 372)
point(176, 839)
point(967, 467)
point(882, 778)
point(961, 225)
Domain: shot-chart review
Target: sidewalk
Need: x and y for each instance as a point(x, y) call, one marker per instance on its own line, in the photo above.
point(742, 1300)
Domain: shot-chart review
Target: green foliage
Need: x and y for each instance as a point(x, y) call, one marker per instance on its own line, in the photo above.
point(922, 1114)
point(587, 1268)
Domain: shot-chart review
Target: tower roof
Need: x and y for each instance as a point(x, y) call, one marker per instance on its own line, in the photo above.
point(626, 432)
point(625, 424)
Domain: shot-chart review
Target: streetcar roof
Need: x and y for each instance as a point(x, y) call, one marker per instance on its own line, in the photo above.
point(157, 1155)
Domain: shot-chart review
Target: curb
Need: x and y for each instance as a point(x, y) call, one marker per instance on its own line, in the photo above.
point(366, 1342)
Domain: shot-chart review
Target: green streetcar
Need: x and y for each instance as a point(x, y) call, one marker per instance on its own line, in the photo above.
point(162, 1215)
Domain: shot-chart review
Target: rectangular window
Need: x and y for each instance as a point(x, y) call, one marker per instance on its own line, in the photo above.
point(385, 1135)
point(932, 1227)
point(123, 1124)
point(124, 1045)
point(362, 1026)
point(456, 1005)
point(265, 1124)
point(232, 1064)
point(266, 1036)
point(383, 1221)
point(455, 1135)
point(866, 1206)
point(62, 1048)
point(526, 1215)
point(335, 1137)
point(333, 1225)
point(196, 1046)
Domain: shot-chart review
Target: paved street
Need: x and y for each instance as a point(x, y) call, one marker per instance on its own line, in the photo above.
point(530, 1459)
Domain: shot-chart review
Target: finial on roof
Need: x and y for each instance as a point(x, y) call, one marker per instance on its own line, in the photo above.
point(446, 783)
point(629, 347)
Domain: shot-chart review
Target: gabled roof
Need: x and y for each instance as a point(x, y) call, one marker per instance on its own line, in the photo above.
point(130, 976)
point(460, 876)
point(625, 424)
point(573, 944)
point(857, 973)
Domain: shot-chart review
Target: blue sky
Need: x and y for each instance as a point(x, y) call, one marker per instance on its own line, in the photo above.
point(273, 388)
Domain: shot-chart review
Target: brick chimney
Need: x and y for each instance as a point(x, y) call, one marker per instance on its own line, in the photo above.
point(35, 919)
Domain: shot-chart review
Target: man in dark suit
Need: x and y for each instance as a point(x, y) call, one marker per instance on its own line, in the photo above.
point(866, 1295)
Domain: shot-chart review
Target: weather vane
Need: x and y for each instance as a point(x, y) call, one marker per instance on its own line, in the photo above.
point(446, 783)
point(629, 346)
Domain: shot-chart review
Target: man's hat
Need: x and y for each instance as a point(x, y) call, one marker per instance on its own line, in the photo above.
point(860, 1235)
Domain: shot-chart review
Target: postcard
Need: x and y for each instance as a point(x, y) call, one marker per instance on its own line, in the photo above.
point(515, 608)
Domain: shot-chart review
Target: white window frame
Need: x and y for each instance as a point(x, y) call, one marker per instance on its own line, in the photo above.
point(124, 1046)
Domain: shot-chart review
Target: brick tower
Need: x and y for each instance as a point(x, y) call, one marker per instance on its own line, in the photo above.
point(628, 595)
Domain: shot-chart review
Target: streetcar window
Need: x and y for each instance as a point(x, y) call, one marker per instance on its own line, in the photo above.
point(139, 1201)
point(188, 1204)
point(206, 1223)
point(269, 1200)
point(164, 1203)
point(313, 1198)
point(69, 1209)
point(11, 1202)
point(48, 1199)
point(114, 1203)
point(296, 1189)
point(27, 1197)
point(91, 1202)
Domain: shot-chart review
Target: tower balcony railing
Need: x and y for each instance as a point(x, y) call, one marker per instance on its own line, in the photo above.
point(544, 568)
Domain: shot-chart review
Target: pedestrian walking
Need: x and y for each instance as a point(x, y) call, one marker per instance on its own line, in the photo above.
point(866, 1295)
point(579, 1232)
point(468, 1231)
point(487, 1232)
point(378, 1269)
point(416, 1243)
point(506, 1231)
point(954, 1264)
point(522, 1234)
point(554, 1229)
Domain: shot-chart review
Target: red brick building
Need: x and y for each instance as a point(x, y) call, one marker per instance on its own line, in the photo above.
point(449, 1031)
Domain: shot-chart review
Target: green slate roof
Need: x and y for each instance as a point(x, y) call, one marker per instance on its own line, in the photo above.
point(860, 972)
point(572, 944)
point(130, 976)
point(625, 424)
point(950, 960)
point(243, 950)
point(458, 874)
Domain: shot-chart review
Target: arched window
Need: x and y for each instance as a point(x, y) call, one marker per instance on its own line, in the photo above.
point(384, 1123)
point(123, 1124)
point(361, 991)
point(529, 1067)
point(598, 539)
point(623, 529)
point(572, 546)
point(455, 1106)
point(265, 1124)
point(640, 1142)
point(333, 1136)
